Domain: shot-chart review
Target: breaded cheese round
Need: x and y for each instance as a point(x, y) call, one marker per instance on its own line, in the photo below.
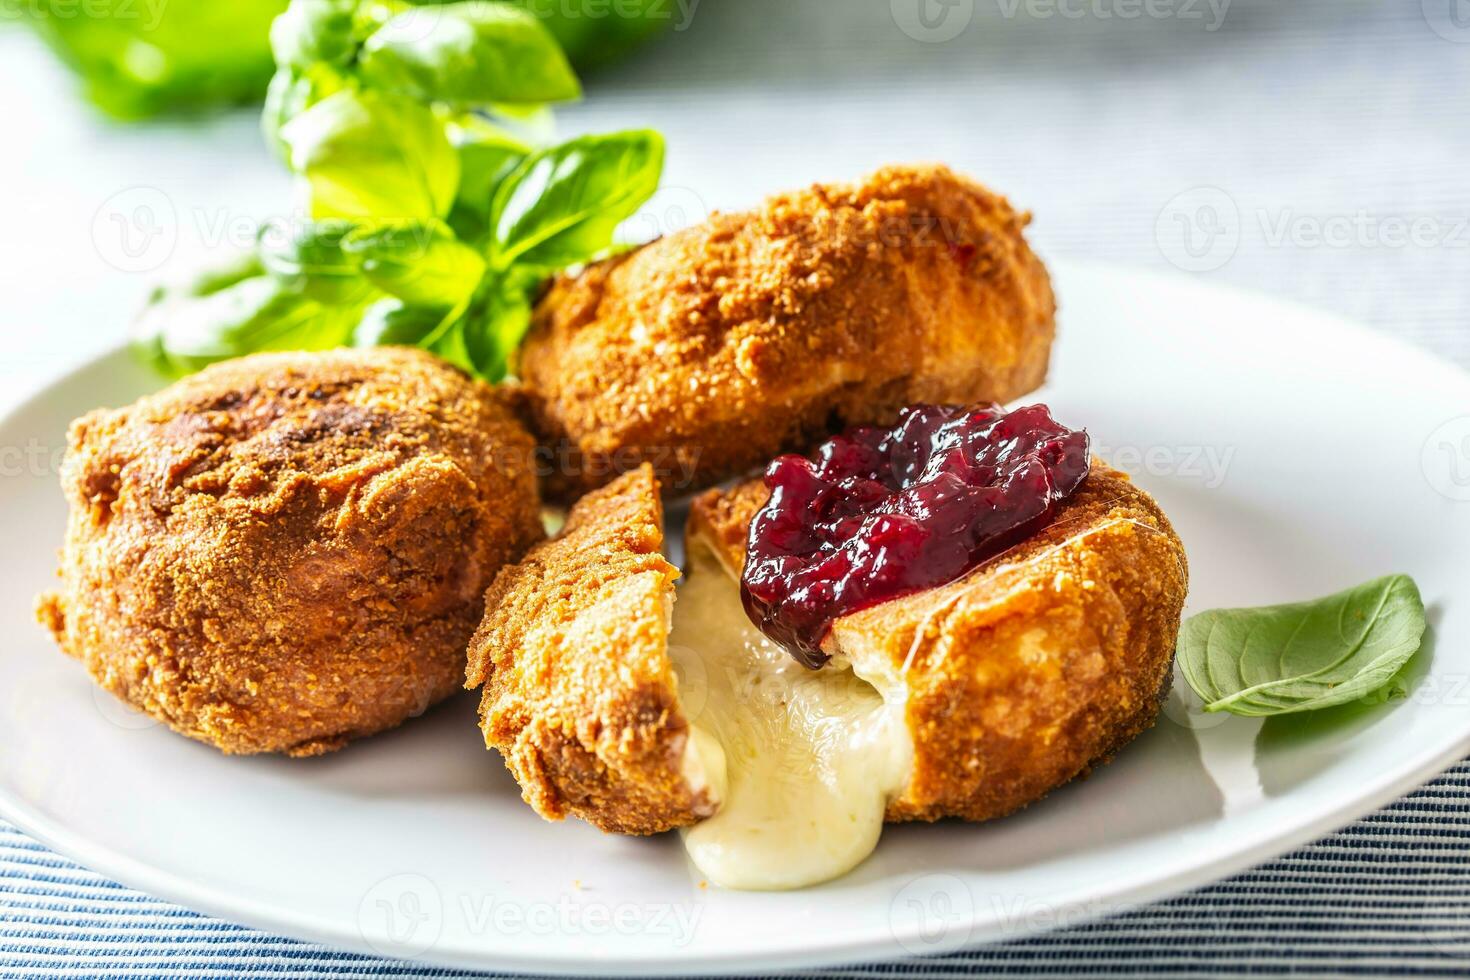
point(287, 551)
point(1026, 672)
point(712, 350)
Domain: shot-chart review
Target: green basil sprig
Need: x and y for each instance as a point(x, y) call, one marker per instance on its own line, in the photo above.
point(1302, 656)
point(467, 54)
point(432, 220)
point(470, 55)
point(561, 206)
point(366, 155)
point(228, 312)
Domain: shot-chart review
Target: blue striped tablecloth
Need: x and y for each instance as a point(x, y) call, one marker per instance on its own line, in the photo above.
point(1311, 118)
point(1388, 895)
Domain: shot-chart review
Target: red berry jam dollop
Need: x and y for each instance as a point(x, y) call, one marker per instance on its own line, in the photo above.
point(879, 513)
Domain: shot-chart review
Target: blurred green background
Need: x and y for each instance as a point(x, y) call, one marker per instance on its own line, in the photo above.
point(142, 58)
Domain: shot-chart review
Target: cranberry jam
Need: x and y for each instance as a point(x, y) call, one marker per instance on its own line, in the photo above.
point(879, 513)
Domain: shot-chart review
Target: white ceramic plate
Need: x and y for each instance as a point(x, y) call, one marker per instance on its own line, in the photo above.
point(1296, 455)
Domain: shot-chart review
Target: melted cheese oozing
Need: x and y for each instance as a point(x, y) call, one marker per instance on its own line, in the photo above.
point(804, 761)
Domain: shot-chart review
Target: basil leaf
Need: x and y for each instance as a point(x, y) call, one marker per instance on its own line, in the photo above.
point(310, 259)
point(393, 322)
point(421, 263)
point(494, 327)
point(245, 265)
point(561, 205)
point(467, 54)
point(312, 31)
point(137, 60)
point(371, 156)
point(1306, 655)
point(181, 331)
point(487, 155)
point(478, 336)
point(149, 326)
point(450, 345)
point(288, 95)
point(292, 92)
point(535, 121)
point(389, 322)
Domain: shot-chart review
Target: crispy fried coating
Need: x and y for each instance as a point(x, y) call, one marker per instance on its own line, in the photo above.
point(1031, 669)
point(710, 351)
point(579, 694)
point(288, 551)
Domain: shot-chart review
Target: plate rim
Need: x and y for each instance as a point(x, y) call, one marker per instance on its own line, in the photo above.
point(1264, 842)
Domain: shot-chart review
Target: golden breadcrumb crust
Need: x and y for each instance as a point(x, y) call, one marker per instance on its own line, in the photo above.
point(1030, 670)
point(287, 551)
point(580, 696)
point(711, 350)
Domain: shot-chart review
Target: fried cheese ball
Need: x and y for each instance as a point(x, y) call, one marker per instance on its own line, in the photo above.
point(288, 551)
point(712, 350)
point(1021, 675)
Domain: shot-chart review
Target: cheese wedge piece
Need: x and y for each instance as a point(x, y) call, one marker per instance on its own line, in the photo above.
point(579, 694)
